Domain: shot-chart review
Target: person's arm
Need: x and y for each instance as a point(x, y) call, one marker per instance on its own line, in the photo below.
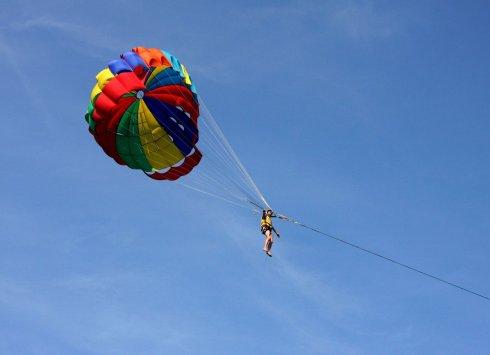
point(277, 233)
point(273, 229)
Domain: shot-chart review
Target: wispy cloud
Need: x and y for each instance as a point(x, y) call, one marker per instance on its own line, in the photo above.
point(299, 27)
point(361, 21)
point(93, 331)
point(308, 337)
point(352, 19)
point(331, 301)
point(15, 62)
point(84, 35)
point(18, 55)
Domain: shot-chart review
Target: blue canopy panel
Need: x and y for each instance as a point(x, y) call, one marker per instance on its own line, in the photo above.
point(164, 78)
point(176, 123)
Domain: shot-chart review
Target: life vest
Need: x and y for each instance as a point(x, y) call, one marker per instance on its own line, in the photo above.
point(266, 221)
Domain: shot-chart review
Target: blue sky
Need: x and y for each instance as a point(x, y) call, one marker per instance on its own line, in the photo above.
point(375, 119)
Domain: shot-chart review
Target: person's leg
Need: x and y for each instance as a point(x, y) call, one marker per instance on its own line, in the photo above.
point(268, 242)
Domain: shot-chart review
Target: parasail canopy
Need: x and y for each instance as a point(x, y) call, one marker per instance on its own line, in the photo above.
point(144, 111)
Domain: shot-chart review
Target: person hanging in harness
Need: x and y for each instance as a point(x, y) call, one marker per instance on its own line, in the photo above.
point(267, 228)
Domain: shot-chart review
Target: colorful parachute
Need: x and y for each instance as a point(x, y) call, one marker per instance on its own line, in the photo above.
point(143, 112)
